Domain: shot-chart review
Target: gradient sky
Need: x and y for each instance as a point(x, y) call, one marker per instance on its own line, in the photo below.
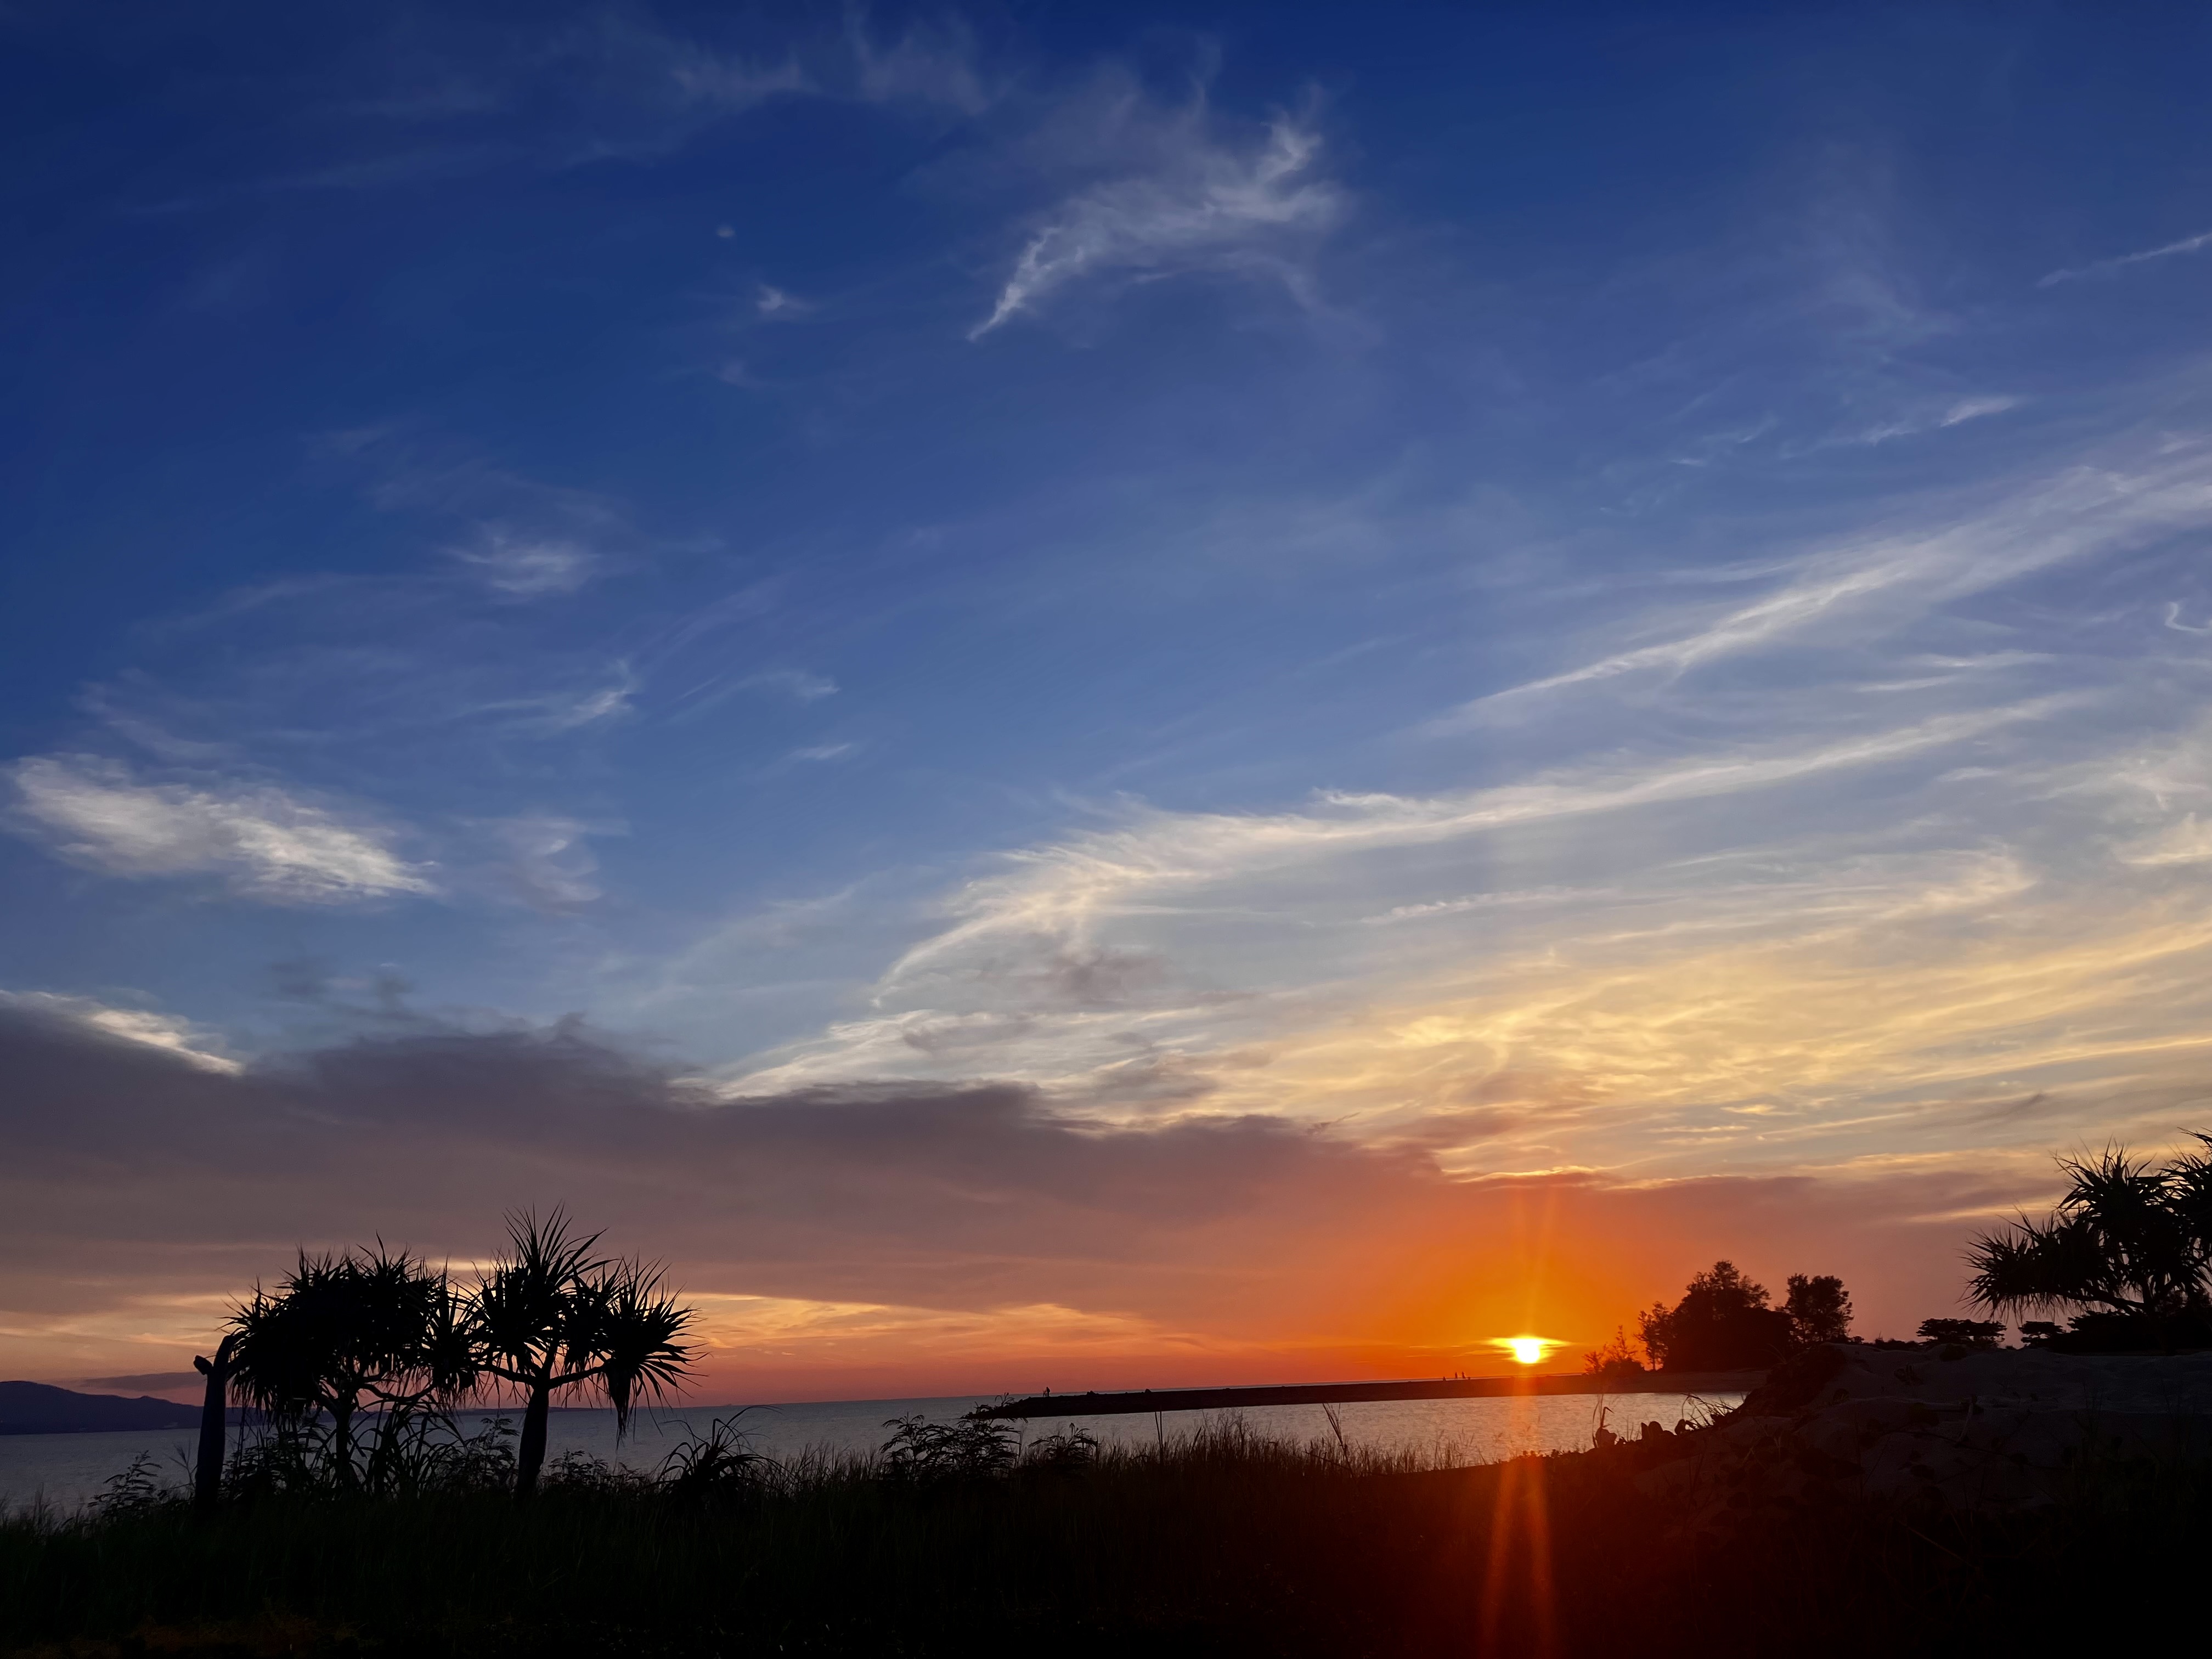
point(1075, 695)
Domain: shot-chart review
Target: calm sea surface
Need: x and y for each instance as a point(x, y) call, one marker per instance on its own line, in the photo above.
point(67, 1470)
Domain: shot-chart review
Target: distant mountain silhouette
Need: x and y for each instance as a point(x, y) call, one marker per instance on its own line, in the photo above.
point(162, 1384)
point(41, 1409)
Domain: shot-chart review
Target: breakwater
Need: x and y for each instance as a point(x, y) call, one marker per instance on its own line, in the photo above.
point(1127, 1401)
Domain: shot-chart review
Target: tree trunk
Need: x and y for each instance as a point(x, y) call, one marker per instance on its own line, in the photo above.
point(342, 1467)
point(207, 1475)
point(530, 1454)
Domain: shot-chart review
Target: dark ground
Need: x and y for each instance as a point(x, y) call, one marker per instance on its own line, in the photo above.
point(1217, 1546)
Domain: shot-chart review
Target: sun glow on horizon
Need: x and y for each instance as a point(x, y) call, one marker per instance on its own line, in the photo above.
point(1526, 1350)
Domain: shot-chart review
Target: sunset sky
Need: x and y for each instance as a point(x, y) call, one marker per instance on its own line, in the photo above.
point(1094, 694)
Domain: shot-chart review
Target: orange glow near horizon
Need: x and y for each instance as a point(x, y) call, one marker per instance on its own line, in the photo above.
point(1526, 1350)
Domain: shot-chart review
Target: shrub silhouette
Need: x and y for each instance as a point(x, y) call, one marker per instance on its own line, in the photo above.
point(930, 1454)
point(1067, 1451)
point(718, 1464)
point(1614, 1360)
point(1966, 1332)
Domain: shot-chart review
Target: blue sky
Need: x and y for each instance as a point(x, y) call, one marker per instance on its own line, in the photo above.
point(1564, 593)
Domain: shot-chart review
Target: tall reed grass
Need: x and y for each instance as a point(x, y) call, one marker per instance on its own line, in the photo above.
point(1213, 1541)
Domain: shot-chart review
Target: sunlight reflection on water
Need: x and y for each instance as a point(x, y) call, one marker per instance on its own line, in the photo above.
point(68, 1469)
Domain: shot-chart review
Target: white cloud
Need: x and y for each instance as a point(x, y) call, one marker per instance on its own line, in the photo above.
point(524, 567)
point(572, 708)
point(729, 83)
point(168, 1032)
point(2185, 842)
point(2086, 511)
point(1430, 908)
point(1907, 426)
point(1209, 205)
point(928, 66)
point(795, 682)
point(265, 843)
point(1058, 891)
point(824, 751)
point(546, 863)
point(1814, 923)
point(2110, 267)
point(609, 701)
point(775, 302)
point(1973, 408)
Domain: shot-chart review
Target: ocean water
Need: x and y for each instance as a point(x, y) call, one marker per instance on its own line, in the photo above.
point(66, 1471)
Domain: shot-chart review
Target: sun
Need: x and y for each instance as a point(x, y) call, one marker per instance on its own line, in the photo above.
point(1525, 1350)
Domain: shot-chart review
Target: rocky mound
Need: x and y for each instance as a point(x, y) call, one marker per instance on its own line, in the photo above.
point(1967, 1429)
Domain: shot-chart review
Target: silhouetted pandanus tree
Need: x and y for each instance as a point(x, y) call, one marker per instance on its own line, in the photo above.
point(376, 1333)
point(550, 1315)
point(2130, 1241)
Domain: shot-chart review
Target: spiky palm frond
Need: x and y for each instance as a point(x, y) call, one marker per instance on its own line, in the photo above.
point(637, 1342)
point(2127, 1237)
point(445, 1364)
point(275, 1366)
point(523, 1316)
point(2032, 1267)
point(2189, 1195)
point(340, 1325)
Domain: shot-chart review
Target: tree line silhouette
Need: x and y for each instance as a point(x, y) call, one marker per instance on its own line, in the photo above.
point(2128, 1248)
point(1725, 1322)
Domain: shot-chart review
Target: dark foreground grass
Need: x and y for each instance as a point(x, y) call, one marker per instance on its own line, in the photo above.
point(1222, 1544)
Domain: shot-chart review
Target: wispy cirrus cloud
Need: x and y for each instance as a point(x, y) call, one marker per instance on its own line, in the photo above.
point(1057, 891)
point(611, 84)
point(799, 683)
point(2113, 266)
point(1207, 203)
point(590, 705)
point(929, 66)
point(1885, 890)
point(931, 63)
point(529, 567)
point(546, 861)
point(728, 82)
point(1790, 1001)
point(1209, 962)
point(1956, 413)
point(261, 841)
point(1878, 581)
